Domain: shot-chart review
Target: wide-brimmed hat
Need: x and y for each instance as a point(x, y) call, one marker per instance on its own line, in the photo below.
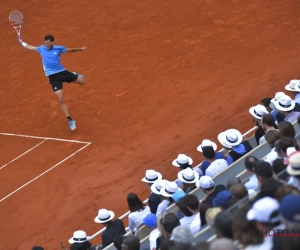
point(188, 175)
point(104, 216)
point(157, 186)
point(151, 176)
point(285, 103)
point(206, 143)
point(230, 138)
point(258, 111)
point(277, 97)
point(168, 189)
point(292, 85)
point(294, 164)
point(182, 159)
point(79, 237)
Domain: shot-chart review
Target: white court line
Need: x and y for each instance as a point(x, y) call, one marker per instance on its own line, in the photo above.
point(23, 154)
point(45, 138)
point(44, 172)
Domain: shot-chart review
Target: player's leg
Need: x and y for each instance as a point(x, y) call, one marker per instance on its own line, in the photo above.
point(80, 79)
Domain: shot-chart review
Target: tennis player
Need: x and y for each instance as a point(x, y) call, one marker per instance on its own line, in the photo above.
point(54, 70)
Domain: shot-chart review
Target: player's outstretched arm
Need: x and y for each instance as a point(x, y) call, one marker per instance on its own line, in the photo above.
point(27, 46)
point(76, 49)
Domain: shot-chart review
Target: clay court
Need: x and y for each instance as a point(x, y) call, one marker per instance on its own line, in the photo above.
point(161, 76)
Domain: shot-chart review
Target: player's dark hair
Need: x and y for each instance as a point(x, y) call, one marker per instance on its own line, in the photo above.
point(49, 37)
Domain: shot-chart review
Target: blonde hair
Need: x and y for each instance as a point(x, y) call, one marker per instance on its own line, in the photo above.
point(160, 227)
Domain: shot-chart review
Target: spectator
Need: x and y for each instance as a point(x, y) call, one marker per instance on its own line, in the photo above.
point(154, 199)
point(151, 221)
point(222, 244)
point(286, 129)
point(167, 244)
point(284, 190)
point(263, 171)
point(216, 165)
point(176, 197)
point(231, 181)
point(285, 106)
point(188, 216)
point(257, 112)
point(298, 135)
point(138, 211)
point(290, 211)
point(283, 144)
point(211, 214)
point(80, 241)
point(166, 193)
point(279, 172)
point(182, 234)
point(266, 103)
point(268, 124)
point(113, 227)
point(249, 164)
point(223, 225)
point(277, 116)
point(293, 167)
point(131, 243)
point(271, 138)
point(118, 241)
point(239, 192)
point(193, 206)
point(294, 89)
point(218, 155)
point(234, 148)
point(223, 200)
point(188, 177)
point(268, 188)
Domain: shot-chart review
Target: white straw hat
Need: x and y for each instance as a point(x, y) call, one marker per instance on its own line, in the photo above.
point(207, 143)
point(258, 111)
point(151, 176)
point(104, 216)
point(182, 159)
point(285, 103)
point(230, 138)
point(79, 237)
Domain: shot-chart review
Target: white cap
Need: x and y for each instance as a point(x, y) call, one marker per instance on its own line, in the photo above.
point(205, 182)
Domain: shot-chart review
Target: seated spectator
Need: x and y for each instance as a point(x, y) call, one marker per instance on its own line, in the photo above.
point(188, 177)
point(193, 206)
point(298, 122)
point(151, 222)
point(294, 89)
point(279, 172)
point(290, 211)
point(231, 181)
point(167, 245)
point(293, 167)
point(113, 227)
point(131, 243)
point(239, 192)
point(268, 188)
point(176, 197)
point(271, 138)
point(166, 193)
point(211, 214)
point(284, 190)
point(223, 200)
point(118, 241)
point(80, 241)
point(138, 211)
point(218, 155)
point(277, 116)
point(216, 165)
point(257, 112)
point(252, 184)
point(268, 124)
point(182, 234)
point(223, 225)
point(234, 148)
point(263, 171)
point(283, 144)
point(188, 216)
point(286, 106)
point(286, 129)
point(222, 244)
point(154, 199)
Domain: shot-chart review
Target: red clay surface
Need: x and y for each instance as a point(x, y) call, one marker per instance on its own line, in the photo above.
point(161, 76)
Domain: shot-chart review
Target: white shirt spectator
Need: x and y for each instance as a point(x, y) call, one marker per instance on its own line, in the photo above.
point(136, 218)
point(162, 207)
point(196, 224)
point(152, 238)
point(216, 167)
point(187, 220)
point(252, 183)
point(271, 157)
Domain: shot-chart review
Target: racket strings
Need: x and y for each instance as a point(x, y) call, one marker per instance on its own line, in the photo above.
point(16, 18)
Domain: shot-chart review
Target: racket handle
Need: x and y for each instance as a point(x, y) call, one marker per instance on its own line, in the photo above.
point(19, 36)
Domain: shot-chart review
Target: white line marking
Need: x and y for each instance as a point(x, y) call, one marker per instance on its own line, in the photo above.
point(23, 154)
point(45, 138)
point(44, 172)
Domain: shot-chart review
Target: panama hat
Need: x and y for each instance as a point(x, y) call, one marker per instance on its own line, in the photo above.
point(292, 85)
point(188, 175)
point(285, 103)
point(168, 189)
point(151, 176)
point(294, 164)
point(206, 143)
point(104, 216)
point(79, 237)
point(258, 111)
point(157, 186)
point(182, 159)
point(230, 138)
point(277, 97)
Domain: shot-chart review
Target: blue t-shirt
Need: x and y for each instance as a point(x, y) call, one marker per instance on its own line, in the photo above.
point(51, 58)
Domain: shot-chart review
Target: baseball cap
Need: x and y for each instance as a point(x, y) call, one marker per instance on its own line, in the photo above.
point(222, 199)
point(205, 182)
point(182, 234)
point(264, 210)
point(150, 220)
point(178, 194)
point(290, 207)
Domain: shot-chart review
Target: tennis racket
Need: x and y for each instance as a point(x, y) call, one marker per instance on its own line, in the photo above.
point(16, 20)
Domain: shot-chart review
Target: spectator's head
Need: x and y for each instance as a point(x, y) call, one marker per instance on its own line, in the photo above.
point(182, 162)
point(292, 86)
point(80, 241)
point(150, 221)
point(206, 184)
point(238, 191)
point(290, 211)
point(134, 203)
point(207, 143)
point(277, 167)
point(269, 188)
point(278, 95)
point(182, 234)
point(286, 129)
point(131, 243)
point(157, 186)
point(211, 214)
point(257, 112)
point(267, 121)
point(169, 222)
point(151, 176)
point(192, 203)
point(285, 105)
point(263, 171)
point(231, 181)
point(223, 200)
point(230, 138)
point(104, 216)
point(272, 136)
point(183, 207)
point(265, 212)
point(118, 241)
point(223, 225)
point(37, 248)
point(222, 244)
point(188, 176)
point(283, 144)
point(293, 168)
point(249, 164)
point(168, 190)
point(178, 195)
point(266, 102)
point(284, 190)
point(167, 244)
point(208, 153)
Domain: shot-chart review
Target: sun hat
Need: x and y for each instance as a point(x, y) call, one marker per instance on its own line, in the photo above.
point(104, 216)
point(285, 103)
point(264, 210)
point(151, 176)
point(230, 138)
point(293, 167)
point(258, 111)
point(222, 199)
point(211, 214)
point(79, 237)
point(150, 220)
point(168, 189)
point(188, 175)
point(182, 159)
point(157, 186)
point(277, 97)
point(178, 195)
point(290, 207)
point(205, 182)
point(207, 143)
point(292, 85)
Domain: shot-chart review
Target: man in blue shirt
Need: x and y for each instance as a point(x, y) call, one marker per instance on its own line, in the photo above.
point(54, 70)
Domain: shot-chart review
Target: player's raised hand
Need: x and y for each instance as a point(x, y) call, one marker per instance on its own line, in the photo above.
point(83, 48)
